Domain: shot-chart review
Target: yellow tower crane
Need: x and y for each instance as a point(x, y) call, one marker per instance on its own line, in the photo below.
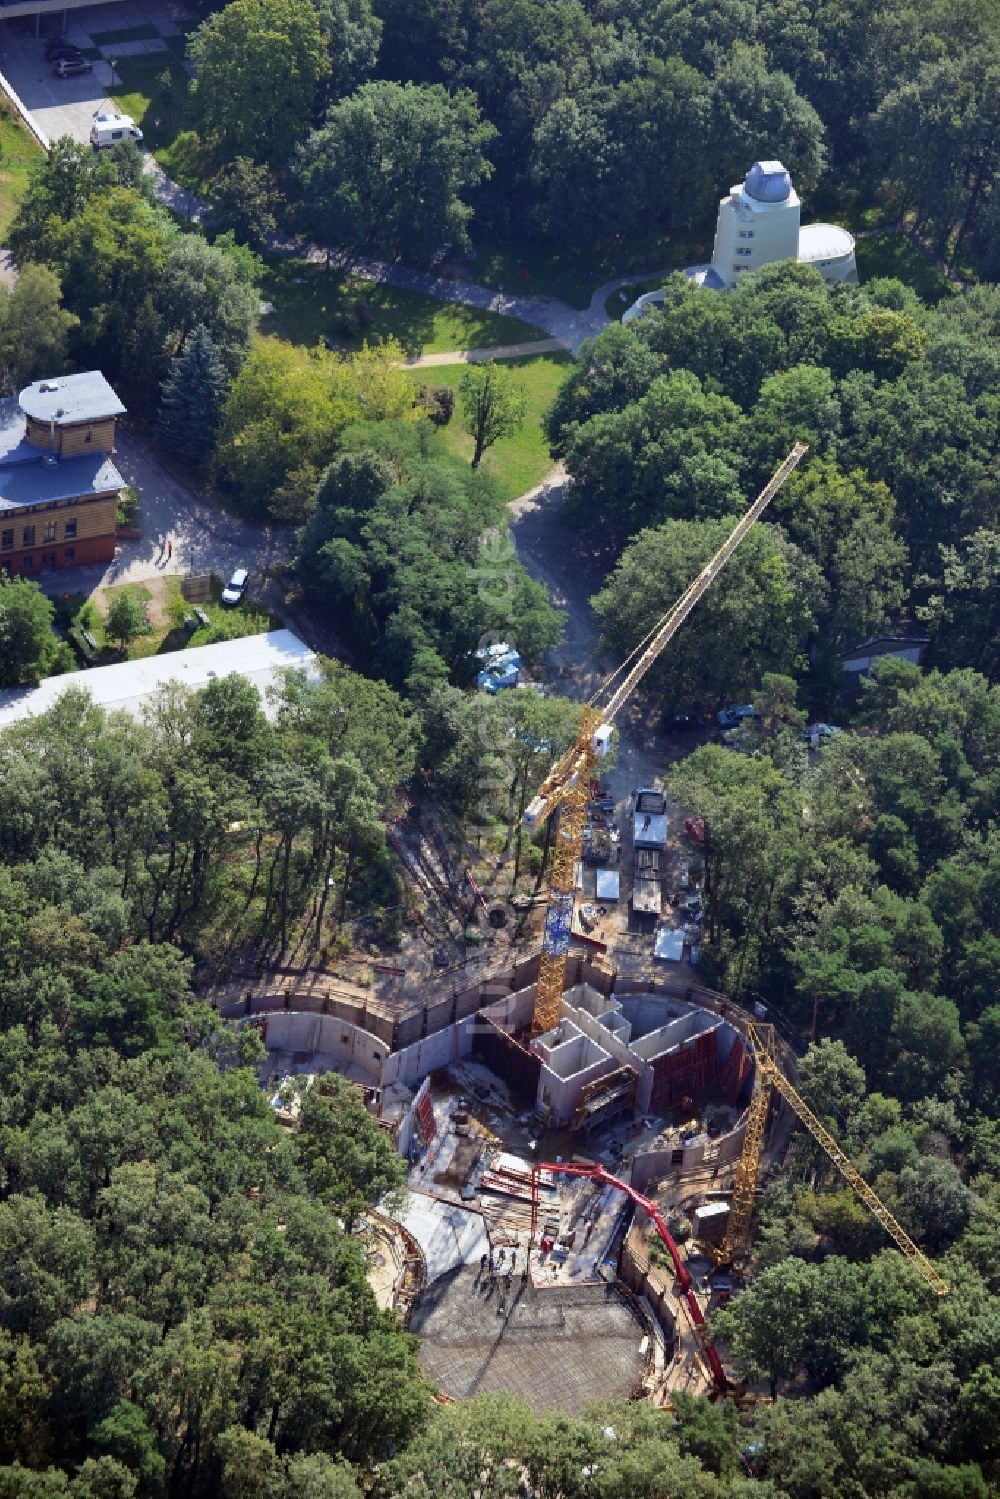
point(565, 790)
point(768, 1075)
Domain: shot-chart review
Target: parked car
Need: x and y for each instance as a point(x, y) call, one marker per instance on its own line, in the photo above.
point(69, 67)
point(679, 723)
point(56, 48)
point(736, 714)
point(234, 589)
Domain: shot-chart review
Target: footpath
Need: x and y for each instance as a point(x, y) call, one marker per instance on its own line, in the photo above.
point(567, 327)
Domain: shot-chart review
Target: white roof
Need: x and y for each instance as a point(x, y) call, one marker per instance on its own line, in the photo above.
point(712, 1210)
point(128, 685)
point(669, 944)
point(823, 242)
point(607, 884)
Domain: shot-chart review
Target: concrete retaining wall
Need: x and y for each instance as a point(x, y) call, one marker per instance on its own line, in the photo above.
point(639, 1273)
point(25, 114)
point(348, 1045)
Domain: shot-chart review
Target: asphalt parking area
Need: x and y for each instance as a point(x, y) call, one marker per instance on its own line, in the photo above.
point(66, 106)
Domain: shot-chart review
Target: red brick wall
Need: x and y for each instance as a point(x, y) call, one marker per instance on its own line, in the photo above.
point(86, 550)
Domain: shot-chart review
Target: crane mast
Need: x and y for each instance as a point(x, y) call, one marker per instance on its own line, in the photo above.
point(565, 791)
point(768, 1075)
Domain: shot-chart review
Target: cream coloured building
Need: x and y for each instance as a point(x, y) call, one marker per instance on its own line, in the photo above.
point(759, 223)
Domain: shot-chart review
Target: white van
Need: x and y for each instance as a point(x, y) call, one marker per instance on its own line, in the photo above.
point(109, 130)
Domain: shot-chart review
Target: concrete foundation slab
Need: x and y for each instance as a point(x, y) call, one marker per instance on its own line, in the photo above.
point(449, 1236)
point(556, 1349)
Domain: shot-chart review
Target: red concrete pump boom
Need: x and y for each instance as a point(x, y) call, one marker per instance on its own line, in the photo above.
point(605, 1179)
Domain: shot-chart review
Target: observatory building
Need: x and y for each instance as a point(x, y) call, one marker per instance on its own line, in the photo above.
point(759, 223)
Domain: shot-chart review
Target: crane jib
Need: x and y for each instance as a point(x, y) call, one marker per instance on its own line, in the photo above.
point(565, 786)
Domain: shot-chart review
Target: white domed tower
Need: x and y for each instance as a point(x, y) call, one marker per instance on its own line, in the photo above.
point(758, 223)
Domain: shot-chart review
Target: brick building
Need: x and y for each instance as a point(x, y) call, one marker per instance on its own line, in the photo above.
point(58, 486)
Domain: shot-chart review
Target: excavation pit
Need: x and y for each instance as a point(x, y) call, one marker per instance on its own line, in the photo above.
point(556, 1348)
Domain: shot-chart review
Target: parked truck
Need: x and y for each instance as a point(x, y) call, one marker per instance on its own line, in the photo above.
point(649, 842)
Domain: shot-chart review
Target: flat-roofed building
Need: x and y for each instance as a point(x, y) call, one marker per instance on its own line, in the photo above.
point(59, 487)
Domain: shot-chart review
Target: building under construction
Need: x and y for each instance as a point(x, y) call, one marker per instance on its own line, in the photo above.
point(568, 1125)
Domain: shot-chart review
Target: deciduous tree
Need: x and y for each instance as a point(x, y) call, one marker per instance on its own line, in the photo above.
point(494, 405)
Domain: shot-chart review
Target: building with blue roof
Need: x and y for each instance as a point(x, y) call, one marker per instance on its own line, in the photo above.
point(759, 223)
point(59, 487)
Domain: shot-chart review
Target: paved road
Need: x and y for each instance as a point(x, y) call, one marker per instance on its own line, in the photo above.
point(571, 564)
point(204, 538)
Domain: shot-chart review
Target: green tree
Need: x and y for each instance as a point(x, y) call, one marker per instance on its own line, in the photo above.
point(757, 617)
point(352, 32)
point(191, 401)
point(214, 286)
point(245, 197)
point(125, 619)
point(392, 168)
point(60, 185)
point(494, 405)
point(964, 616)
point(28, 648)
point(935, 1203)
point(677, 452)
point(34, 328)
point(350, 1163)
point(125, 1434)
point(846, 525)
point(757, 113)
point(234, 52)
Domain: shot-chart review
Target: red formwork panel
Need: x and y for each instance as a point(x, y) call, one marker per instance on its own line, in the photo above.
point(426, 1122)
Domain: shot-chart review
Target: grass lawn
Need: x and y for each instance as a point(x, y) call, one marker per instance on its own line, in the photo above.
point(19, 151)
point(311, 303)
point(620, 301)
point(162, 112)
point(165, 604)
point(520, 462)
point(890, 253)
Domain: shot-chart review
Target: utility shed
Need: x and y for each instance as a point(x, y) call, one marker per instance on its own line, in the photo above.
point(710, 1222)
point(129, 685)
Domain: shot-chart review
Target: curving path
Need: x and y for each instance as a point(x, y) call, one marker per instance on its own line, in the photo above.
point(569, 326)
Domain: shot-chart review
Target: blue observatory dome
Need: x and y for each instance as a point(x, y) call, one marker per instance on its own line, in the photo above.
point(768, 182)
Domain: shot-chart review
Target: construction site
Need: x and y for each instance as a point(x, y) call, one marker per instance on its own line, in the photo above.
point(585, 1125)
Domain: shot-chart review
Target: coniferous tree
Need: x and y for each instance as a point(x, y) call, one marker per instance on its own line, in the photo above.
point(192, 396)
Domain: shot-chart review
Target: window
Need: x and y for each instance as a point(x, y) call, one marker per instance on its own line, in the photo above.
point(50, 530)
point(27, 563)
point(738, 268)
point(744, 252)
point(28, 536)
point(69, 531)
point(6, 541)
point(69, 555)
point(746, 234)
